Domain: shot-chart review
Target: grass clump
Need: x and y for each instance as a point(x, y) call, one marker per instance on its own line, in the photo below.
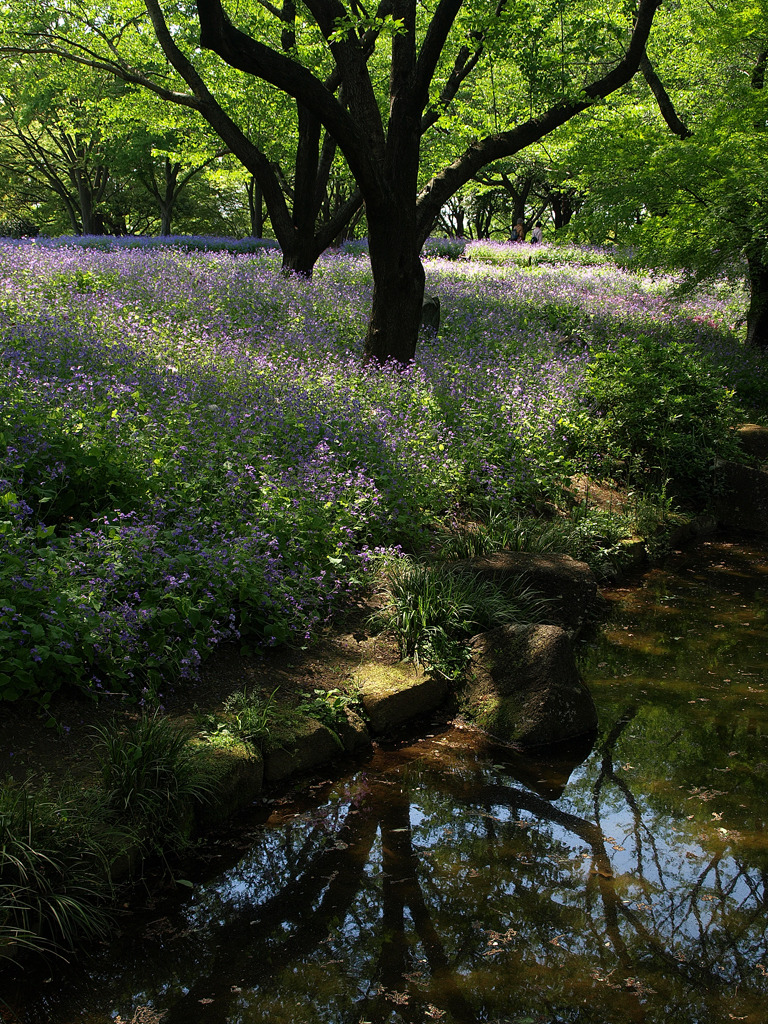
point(152, 778)
point(433, 610)
point(264, 723)
point(55, 855)
point(586, 531)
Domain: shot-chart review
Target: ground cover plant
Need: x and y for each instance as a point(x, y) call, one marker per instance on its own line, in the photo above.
point(192, 451)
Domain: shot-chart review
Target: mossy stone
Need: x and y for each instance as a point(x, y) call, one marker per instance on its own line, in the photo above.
point(236, 775)
point(312, 744)
point(395, 694)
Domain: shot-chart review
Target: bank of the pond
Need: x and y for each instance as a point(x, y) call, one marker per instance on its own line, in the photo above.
point(450, 879)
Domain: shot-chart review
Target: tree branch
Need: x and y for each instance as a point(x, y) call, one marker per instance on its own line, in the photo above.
point(503, 144)
point(666, 106)
point(432, 48)
point(362, 149)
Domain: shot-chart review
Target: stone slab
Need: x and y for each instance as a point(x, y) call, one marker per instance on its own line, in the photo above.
point(393, 694)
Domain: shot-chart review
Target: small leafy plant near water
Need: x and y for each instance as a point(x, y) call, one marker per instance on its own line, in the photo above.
point(265, 723)
point(433, 609)
point(330, 708)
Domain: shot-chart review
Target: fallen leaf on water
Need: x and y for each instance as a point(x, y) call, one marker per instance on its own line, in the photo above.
point(399, 998)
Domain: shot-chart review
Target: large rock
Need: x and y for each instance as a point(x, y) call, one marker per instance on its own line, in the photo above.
point(742, 497)
point(569, 586)
point(524, 688)
point(394, 694)
point(236, 774)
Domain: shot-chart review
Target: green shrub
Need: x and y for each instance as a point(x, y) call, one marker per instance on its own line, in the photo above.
point(653, 409)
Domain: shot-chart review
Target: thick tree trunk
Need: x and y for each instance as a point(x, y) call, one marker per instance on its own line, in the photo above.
point(166, 212)
point(757, 314)
point(85, 202)
point(398, 290)
point(300, 253)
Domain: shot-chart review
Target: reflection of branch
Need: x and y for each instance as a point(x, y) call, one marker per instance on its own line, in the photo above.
point(333, 879)
point(608, 773)
point(613, 908)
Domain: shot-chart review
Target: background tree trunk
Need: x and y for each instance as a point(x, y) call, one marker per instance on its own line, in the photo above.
point(256, 207)
point(757, 314)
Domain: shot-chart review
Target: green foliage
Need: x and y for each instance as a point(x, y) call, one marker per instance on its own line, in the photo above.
point(654, 408)
point(54, 871)
point(547, 254)
point(252, 716)
point(80, 281)
point(587, 532)
point(434, 609)
point(152, 778)
point(696, 204)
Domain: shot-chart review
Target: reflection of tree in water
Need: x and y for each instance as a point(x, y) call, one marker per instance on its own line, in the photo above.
point(435, 887)
point(451, 894)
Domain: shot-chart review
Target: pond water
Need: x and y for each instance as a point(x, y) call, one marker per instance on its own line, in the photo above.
point(447, 880)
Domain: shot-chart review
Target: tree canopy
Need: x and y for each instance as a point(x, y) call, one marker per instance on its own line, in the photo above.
point(448, 113)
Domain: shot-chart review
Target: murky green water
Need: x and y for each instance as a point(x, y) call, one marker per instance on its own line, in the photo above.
point(447, 881)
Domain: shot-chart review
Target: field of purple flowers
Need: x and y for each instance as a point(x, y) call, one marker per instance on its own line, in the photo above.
point(192, 452)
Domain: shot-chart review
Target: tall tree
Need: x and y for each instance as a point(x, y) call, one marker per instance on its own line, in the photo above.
point(165, 149)
point(381, 142)
point(50, 127)
point(288, 155)
point(559, 59)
